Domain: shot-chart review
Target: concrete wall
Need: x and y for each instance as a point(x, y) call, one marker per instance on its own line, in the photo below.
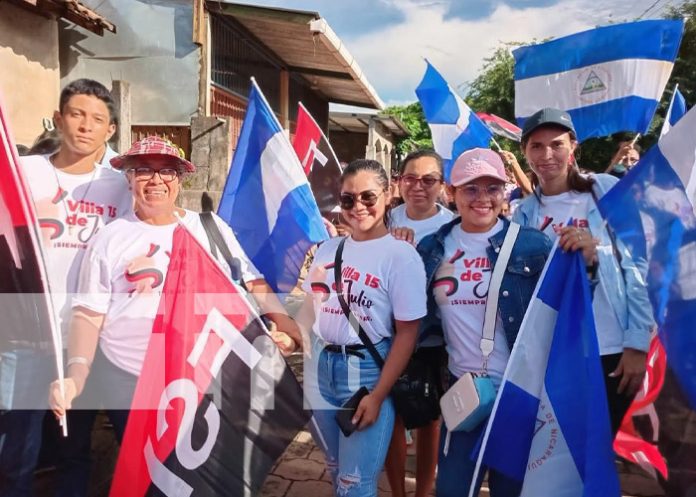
point(30, 76)
point(211, 152)
point(380, 144)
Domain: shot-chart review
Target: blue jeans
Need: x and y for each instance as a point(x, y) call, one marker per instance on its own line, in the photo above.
point(354, 462)
point(456, 469)
point(24, 378)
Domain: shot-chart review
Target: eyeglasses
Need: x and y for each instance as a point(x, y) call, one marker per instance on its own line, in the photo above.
point(472, 192)
point(368, 198)
point(427, 181)
point(147, 173)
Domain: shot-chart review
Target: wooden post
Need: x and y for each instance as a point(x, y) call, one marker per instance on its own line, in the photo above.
point(284, 99)
point(121, 140)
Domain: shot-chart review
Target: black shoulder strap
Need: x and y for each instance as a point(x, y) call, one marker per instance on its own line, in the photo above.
point(217, 242)
point(346, 308)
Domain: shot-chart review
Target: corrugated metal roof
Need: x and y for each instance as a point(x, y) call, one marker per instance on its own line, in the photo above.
point(308, 46)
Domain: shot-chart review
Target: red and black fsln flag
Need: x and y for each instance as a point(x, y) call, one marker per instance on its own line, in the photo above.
point(318, 160)
point(216, 404)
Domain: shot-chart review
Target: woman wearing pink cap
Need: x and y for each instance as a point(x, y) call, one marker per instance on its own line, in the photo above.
point(118, 294)
point(460, 261)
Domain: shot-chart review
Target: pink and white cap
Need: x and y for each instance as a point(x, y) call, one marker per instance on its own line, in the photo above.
point(477, 163)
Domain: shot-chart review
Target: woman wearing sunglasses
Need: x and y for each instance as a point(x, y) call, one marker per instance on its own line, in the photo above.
point(421, 186)
point(118, 294)
point(459, 260)
point(383, 282)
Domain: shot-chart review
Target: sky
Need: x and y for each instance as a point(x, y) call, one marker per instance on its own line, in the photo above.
point(390, 38)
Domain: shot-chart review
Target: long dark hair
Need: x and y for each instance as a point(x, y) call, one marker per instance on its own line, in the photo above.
point(374, 167)
point(576, 182)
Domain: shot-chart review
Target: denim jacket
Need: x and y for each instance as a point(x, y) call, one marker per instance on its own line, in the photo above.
point(524, 268)
point(625, 282)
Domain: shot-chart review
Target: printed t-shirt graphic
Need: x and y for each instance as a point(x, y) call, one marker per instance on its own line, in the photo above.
point(554, 213)
point(460, 289)
point(376, 288)
point(123, 273)
point(71, 209)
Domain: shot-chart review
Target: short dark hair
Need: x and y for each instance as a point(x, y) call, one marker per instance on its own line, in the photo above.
point(90, 87)
point(418, 154)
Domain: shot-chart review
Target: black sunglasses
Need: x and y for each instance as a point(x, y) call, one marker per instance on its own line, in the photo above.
point(368, 198)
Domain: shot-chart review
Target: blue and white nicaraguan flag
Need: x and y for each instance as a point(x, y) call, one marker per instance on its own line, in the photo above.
point(656, 222)
point(550, 425)
point(453, 126)
point(267, 200)
point(608, 79)
point(675, 111)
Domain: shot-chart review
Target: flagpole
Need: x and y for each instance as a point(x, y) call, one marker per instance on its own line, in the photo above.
point(500, 149)
point(635, 139)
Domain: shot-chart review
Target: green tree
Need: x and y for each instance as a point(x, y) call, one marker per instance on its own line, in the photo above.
point(413, 118)
point(493, 90)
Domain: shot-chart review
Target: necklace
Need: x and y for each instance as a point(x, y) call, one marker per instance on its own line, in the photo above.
point(62, 193)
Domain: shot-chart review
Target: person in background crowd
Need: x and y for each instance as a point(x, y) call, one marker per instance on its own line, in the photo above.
point(118, 295)
point(621, 307)
point(627, 155)
point(384, 284)
point(458, 291)
point(394, 189)
point(74, 199)
point(421, 184)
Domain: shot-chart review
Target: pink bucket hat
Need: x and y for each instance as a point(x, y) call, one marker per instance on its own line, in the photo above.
point(152, 146)
point(477, 163)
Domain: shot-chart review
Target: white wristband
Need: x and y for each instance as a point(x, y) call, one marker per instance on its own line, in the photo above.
point(79, 360)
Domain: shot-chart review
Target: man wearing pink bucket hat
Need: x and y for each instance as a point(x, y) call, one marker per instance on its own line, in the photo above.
point(460, 259)
point(124, 268)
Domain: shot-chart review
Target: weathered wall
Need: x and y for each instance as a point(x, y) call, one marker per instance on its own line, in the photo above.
point(211, 153)
point(30, 77)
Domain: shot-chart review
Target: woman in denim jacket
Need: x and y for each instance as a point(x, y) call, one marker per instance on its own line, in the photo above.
point(621, 307)
point(459, 259)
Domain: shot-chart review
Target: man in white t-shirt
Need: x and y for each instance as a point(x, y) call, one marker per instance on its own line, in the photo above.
point(73, 198)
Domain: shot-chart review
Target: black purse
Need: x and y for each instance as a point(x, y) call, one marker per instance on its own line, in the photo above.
point(415, 393)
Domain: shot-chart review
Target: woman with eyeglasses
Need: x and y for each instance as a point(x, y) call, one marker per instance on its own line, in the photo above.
point(383, 284)
point(459, 260)
point(421, 186)
point(620, 302)
point(118, 294)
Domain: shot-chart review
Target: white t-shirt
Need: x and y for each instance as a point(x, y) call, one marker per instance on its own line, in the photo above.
point(460, 289)
point(122, 276)
point(382, 279)
point(554, 212)
point(421, 227)
point(71, 208)
point(109, 153)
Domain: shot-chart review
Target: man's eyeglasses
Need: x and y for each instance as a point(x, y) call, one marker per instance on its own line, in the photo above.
point(147, 173)
point(368, 198)
point(427, 181)
point(472, 192)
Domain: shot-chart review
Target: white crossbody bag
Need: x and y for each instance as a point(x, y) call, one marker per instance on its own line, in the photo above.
point(470, 400)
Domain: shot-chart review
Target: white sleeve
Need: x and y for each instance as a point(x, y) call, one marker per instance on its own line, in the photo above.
point(94, 282)
point(249, 271)
point(407, 284)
